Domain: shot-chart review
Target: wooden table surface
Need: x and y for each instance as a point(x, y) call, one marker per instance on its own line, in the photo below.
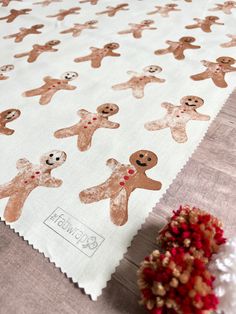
point(29, 284)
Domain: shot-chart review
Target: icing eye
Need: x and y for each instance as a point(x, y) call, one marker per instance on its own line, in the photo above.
point(195, 100)
point(107, 107)
point(149, 159)
point(111, 109)
point(58, 158)
point(189, 99)
point(141, 155)
point(51, 155)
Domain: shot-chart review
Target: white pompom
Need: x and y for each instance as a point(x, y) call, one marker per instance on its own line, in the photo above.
point(223, 267)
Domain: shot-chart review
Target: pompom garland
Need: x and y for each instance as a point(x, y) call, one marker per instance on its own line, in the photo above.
point(176, 282)
point(195, 230)
point(223, 266)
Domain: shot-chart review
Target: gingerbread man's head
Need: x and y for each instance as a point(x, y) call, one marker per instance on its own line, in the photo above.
point(143, 160)
point(225, 60)
point(212, 18)
point(52, 42)
point(9, 115)
point(69, 76)
point(52, 159)
point(6, 68)
point(191, 102)
point(108, 109)
point(146, 22)
point(187, 39)
point(151, 69)
point(112, 46)
point(37, 26)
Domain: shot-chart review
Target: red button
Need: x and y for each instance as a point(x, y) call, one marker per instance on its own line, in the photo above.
point(94, 118)
point(126, 177)
point(122, 183)
point(32, 177)
point(85, 127)
point(89, 122)
point(26, 181)
point(131, 171)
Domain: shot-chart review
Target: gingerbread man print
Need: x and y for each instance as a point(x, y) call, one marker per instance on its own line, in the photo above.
point(88, 124)
point(178, 47)
point(216, 71)
point(46, 3)
point(14, 14)
point(138, 81)
point(77, 29)
point(5, 3)
point(231, 43)
point(111, 11)
point(29, 178)
point(177, 117)
point(226, 7)
point(98, 54)
point(137, 29)
point(165, 10)
point(4, 69)
point(205, 24)
point(38, 50)
point(51, 86)
point(23, 32)
point(93, 2)
point(7, 116)
point(122, 182)
point(63, 13)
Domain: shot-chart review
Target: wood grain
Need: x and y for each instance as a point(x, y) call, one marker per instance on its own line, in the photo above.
point(29, 284)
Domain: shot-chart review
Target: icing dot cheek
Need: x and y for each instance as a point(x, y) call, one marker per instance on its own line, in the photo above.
point(85, 127)
point(32, 177)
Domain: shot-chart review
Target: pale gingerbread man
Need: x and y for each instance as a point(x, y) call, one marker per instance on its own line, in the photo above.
point(226, 7)
point(46, 3)
point(111, 11)
point(4, 69)
point(14, 14)
point(178, 47)
point(7, 116)
point(122, 182)
point(23, 32)
point(231, 43)
point(51, 86)
point(5, 3)
point(29, 178)
point(177, 117)
point(165, 10)
point(205, 24)
point(137, 29)
point(216, 71)
point(138, 81)
point(88, 124)
point(97, 54)
point(77, 29)
point(38, 50)
point(63, 13)
point(93, 2)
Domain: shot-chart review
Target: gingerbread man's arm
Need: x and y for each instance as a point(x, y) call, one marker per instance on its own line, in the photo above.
point(83, 113)
point(105, 123)
point(69, 87)
point(200, 117)
point(231, 69)
point(112, 163)
point(157, 79)
point(206, 63)
point(149, 184)
point(51, 182)
point(167, 105)
point(190, 46)
point(23, 164)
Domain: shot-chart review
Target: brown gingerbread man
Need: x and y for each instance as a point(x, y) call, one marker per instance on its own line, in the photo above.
point(4, 69)
point(63, 13)
point(23, 32)
point(77, 29)
point(138, 81)
point(5, 3)
point(14, 14)
point(38, 50)
point(226, 7)
point(97, 54)
point(216, 71)
point(177, 117)
point(88, 124)
point(111, 11)
point(165, 10)
point(122, 182)
point(231, 43)
point(137, 29)
point(51, 86)
point(93, 2)
point(46, 3)
point(29, 178)
point(205, 24)
point(178, 47)
point(7, 116)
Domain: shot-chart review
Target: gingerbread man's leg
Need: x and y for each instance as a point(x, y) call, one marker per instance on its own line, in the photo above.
point(206, 28)
point(179, 134)
point(119, 208)
point(6, 131)
point(137, 33)
point(95, 193)
point(121, 86)
point(219, 80)
point(34, 92)
point(83, 59)
point(67, 132)
point(84, 141)
point(14, 206)
point(21, 55)
point(33, 55)
point(179, 53)
point(96, 62)
point(162, 51)
point(201, 76)
point(6, 190)
point(192, 26)
point(138, 91)
point(47, 96)
point(156, 125)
